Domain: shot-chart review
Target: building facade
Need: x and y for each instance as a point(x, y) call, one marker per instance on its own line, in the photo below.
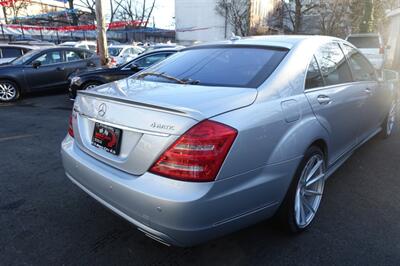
point(393, 39)
point(25, 8)
point(199, 21)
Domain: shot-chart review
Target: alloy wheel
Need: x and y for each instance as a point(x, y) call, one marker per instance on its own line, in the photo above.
point(91, 86)
point(7, 91)
point(309, 191)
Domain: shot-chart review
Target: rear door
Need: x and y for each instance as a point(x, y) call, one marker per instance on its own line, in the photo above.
point(75, 61)
point(50, 74)
point(336, 101)
point(364, 74)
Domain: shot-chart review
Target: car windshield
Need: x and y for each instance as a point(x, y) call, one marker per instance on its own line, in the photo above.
point(114, 51)
point(367, 42)
point(238, 66)
point(26, 57)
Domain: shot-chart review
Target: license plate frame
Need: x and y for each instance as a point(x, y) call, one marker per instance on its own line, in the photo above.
point(107, 138)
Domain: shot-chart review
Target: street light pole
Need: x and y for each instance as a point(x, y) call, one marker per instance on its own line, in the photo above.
point(101, 33)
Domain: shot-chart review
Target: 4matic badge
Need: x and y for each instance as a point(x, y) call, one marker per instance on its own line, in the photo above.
point(162, 126)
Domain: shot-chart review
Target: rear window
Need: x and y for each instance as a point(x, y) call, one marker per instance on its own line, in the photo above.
point(365, 42)
point(11, 52)
point(239, 66)
point(113, 51)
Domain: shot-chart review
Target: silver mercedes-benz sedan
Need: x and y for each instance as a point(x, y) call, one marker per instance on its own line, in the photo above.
point(221, 136)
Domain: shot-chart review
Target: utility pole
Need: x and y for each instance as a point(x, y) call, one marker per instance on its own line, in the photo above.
point(101, 33)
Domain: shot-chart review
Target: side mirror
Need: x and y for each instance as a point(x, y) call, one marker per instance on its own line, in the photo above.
point(388, 47)
point(36, 64)
point(134, 67)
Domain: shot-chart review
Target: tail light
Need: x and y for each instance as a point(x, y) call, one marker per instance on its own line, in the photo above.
point(70, 128)
point(113, 61)
point(198, 154)
point(381, 50)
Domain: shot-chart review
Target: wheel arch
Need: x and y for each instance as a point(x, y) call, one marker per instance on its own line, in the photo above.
point(92, 80)
point(299, 138)
point(19, 87)
point(321, 144)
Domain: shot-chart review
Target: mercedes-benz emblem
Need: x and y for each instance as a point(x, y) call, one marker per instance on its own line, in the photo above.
point(102, 109)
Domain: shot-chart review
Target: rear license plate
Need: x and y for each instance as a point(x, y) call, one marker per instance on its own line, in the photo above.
point(107, 138)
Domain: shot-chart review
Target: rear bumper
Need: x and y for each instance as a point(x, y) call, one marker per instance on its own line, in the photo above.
point(176, 212)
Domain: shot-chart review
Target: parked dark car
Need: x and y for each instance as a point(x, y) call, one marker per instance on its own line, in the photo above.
point(43, 69)
point(93, 78)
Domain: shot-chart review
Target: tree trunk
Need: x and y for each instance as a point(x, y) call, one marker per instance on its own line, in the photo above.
point(150, 12)
point(101, 33)
point(73, 14)
point(367, 18)
point(297, 16)
point(5, 15)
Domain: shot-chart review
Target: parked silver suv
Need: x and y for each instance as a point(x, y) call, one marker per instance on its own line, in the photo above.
point(221, 136)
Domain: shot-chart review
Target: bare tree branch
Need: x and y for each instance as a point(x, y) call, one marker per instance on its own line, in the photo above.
point(236, 12)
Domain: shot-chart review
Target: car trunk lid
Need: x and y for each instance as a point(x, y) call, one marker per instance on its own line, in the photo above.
point(151, 116)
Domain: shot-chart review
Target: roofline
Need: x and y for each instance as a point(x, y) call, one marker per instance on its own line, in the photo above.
point(364, 34)
point(236, 45)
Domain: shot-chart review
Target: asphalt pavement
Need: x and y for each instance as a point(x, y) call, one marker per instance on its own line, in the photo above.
point(47, 220)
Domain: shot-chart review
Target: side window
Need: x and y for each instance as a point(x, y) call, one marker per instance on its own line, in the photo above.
point(137, 50)
point(150, 60)
point(333, 64)
point(92, 47)
point(52, 57)
point(362, 70)
point(11, 52)
point(87, 54)
point(127, 51)
point(74, 55)
point(314, 78)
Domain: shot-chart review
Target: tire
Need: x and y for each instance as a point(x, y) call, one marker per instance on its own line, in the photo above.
point(389, 124)
point(9, 91)
point(91, 84)
point(302, 201)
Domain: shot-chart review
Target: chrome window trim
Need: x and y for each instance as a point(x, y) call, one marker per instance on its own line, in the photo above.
point(338, 85)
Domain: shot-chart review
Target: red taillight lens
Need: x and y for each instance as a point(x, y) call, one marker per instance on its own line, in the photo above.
point(198, 154)
point(70, 128)
point(381, 50)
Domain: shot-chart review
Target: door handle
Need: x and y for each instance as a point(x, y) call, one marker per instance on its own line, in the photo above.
point(323, 99)
point(60, 68)
point(368, 91)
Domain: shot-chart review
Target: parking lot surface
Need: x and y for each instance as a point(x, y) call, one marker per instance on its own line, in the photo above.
point(45, 219)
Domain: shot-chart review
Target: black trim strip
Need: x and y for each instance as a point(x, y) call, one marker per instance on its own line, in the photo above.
point(130, 102)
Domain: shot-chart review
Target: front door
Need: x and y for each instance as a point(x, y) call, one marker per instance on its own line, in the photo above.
point(364, 74)
point(49, 74)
